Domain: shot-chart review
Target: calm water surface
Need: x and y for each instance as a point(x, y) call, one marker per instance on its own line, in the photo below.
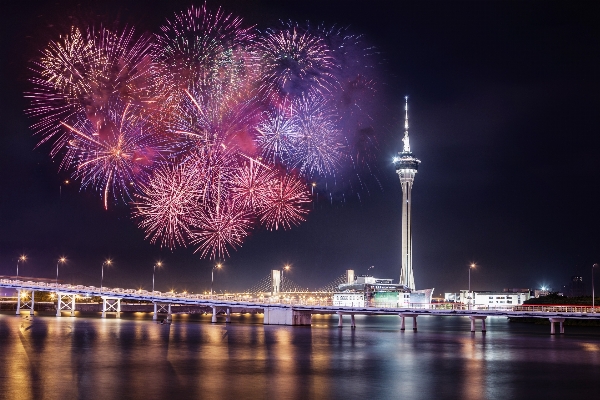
point(45, 357)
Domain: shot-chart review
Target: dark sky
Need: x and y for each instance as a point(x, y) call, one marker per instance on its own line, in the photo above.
point(504, 107)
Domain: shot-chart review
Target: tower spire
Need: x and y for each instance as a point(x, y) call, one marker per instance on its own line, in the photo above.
point(406, 148)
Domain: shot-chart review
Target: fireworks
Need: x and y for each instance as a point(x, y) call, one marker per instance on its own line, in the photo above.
point(208, 128)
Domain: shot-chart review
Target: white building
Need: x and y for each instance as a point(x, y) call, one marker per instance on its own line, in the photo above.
point(490, 299)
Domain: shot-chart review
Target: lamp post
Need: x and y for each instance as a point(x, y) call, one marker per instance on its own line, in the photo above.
point(593, 266)
point(158, 264)
point(22, 258)
point(212, 278)
point(285, 268)
point(60, 260)
point(470, 268)
point(107, 262)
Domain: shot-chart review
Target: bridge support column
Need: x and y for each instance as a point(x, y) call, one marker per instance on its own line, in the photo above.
point(18, 302)
point(286, 316)
point(32, 302)
point(214, 315)
point(474, 318)
point(560, 321)
point(228, 315)
point(59, 299)
point(340, 321)
point(111, 304)
point(414, 317)
point(352, 321)
point(169, 315)
point(155, 315)
point(65, 302)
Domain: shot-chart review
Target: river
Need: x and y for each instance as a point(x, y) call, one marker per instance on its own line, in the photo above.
point(87, 357)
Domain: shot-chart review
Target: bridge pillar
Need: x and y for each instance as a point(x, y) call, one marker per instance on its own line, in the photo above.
point(155, 315)
point(352, 321)
point(340, 321)
point(560, 321)
point(414, 317)
point(65, 301)
point(214, 315)
point(32, 302)
point(286, 316)
point(473, 318)
point(228, 315)
point(111, 306)
point(169, 316)
point(58, 298)
point(18, 302)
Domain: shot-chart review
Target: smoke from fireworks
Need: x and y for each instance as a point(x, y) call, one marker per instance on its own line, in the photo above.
point(207, 128)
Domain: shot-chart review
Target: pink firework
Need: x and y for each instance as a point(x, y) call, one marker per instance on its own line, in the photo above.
point(220, 228)
point(168, 205)
point(113, 154)
point(252, 185)
point(84, 72)
point(286, 206)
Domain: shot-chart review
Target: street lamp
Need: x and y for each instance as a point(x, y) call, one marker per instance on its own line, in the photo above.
point(159, 265)
point(212, 278)
point(593, 266)
point(107, 262)
point(22, 258)
point(285, 268)
point(60, 260)
point(470, 268)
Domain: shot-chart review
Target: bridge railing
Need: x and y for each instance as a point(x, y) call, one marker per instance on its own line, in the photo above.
point(573, 308)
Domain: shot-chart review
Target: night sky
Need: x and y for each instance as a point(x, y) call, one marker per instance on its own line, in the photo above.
point(503, 107)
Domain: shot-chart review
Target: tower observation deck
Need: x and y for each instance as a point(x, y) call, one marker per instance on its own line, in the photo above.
point(406, 167)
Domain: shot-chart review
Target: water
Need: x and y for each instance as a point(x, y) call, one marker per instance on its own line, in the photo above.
point(133, 358)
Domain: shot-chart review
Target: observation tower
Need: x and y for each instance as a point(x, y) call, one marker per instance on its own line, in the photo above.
point(406, 167)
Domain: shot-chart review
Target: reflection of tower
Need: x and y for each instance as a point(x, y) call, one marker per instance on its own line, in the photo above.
point(406, 167)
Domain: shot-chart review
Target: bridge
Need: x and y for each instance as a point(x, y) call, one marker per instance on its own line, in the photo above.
point(279, 309)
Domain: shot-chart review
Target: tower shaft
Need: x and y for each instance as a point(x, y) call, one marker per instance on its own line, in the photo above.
point(406, 272)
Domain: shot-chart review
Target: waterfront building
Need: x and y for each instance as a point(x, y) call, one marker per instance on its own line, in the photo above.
point(491, 299)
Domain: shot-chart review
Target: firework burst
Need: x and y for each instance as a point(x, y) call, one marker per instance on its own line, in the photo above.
point(210, 127)
point(113, 154)
point(168, 205)
point(220, 228)
point(286, 203)
point(295, 62)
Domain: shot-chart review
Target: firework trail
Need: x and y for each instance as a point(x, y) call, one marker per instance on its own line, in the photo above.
point(210, 127)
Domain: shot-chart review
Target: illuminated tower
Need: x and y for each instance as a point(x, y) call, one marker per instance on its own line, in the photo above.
point(406, 167)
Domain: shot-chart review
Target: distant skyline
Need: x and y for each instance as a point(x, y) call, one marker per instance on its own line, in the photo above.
point(503, 99)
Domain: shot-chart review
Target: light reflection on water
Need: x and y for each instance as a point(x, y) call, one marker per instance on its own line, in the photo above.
point(90, 358)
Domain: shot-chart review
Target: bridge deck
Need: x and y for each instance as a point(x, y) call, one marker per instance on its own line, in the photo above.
point(315, 306)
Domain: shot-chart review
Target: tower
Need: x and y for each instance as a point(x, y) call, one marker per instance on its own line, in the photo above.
point(406, 167)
